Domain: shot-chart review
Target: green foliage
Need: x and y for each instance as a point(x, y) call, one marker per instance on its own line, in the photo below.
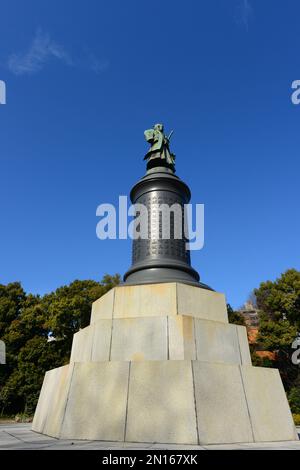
point(258, 361)
point(296, 419)
point(294, 399)
point(281, 299)
point(279, 304)
point(294, 396)
point(234, 316)
point(25, 323)
point(276, 335)
point(12, 298)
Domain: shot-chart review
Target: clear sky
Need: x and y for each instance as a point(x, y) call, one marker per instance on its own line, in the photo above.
point(85, 78)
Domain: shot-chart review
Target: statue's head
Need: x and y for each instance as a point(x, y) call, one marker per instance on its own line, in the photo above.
point(159, 127)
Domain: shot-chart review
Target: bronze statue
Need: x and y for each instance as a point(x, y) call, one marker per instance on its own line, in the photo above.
point(159, 153)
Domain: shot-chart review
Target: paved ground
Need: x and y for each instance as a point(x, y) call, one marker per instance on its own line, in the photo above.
point(19, 437)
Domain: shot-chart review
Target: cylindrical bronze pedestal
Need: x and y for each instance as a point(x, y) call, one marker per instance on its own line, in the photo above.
point(156, 259)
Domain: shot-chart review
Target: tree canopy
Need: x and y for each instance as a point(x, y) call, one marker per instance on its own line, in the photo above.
point(280, 300)
point(279, 306)
point(235, 316)
point(26, 321)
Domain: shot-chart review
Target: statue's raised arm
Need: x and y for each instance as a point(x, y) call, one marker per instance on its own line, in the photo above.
point(159, 153)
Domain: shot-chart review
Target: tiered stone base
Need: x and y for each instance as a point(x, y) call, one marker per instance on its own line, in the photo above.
point(161, 363)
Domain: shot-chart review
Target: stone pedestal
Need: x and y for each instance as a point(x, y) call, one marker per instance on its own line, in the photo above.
point(161, 363)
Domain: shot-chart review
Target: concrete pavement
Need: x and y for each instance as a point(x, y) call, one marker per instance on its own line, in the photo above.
point(20, 437)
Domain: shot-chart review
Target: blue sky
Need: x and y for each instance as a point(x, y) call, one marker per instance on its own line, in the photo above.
point(84, 79)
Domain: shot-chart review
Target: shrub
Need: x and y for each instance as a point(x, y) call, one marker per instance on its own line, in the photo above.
point(294, 399)
point(296, 417)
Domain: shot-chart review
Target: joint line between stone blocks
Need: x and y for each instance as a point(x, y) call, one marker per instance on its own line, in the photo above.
point(67, 399)
point(195, 337)
point(126, 411)
point(238, 342)
point(168, 339)
point(195, 403)
point(248, 410)
point(111, 338)
point(92, 348)
point(114, 301)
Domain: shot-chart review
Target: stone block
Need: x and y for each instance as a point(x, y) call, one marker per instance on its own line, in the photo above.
point(103, 307)
point(174, 337)
point(82, 345)
point(52, 402)
point(160, 300)
point(139, 339)
point(161, 403)
point(181, 337)
point(42, 408)
point(268, 406)
point(244, 345)
point(201, 303)
point(216, 342)
point(96, 407)
point(222, 412)
point(101, 340)
point(145, 300)
point(177, 401)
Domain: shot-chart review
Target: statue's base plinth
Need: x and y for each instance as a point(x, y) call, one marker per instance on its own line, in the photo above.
point(161, 363)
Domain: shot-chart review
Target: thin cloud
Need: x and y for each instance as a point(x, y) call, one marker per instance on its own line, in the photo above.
point(40, 51)
point(244, 14)
point(97, 65)
point(43, 49)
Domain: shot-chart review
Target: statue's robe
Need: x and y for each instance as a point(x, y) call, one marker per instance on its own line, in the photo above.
point(159, 146)
point(156, 139)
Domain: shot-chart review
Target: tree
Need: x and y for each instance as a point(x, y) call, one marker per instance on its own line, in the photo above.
point(25, 323)
point(12, 298)
point(277, 335)
point(280, 299)
point(69, 308)
point(234, 316)
point(21, 390)
point(279, 305)
point(294, 397)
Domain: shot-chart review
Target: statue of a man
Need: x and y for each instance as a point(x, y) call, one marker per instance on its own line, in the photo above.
point(159, 153)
